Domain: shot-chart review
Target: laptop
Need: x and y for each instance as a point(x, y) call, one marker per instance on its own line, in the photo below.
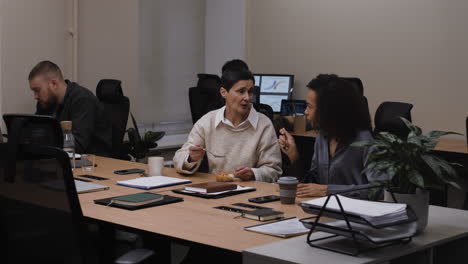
point(84, 187)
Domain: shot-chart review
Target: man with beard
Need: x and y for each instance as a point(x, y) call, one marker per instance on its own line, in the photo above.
point(68, 101)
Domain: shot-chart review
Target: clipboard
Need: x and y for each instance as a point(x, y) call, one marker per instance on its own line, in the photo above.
point(167, 200)
point(305, 230)
point(211, 196)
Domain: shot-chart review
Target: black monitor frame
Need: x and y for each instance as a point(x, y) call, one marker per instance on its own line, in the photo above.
point(288, 94)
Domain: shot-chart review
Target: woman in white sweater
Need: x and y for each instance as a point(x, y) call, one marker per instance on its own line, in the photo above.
point(236, 137)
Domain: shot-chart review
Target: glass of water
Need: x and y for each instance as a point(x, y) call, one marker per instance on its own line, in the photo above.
point(87, 162)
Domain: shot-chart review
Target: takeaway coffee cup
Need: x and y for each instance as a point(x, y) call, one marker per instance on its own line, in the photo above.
point(288, 188)
point(299, 123)
point(155, 166)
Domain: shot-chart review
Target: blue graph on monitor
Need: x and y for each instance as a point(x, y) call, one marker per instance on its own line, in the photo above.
point(275, 84)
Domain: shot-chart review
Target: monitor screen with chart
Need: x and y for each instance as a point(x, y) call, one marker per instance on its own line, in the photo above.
point(274, 88)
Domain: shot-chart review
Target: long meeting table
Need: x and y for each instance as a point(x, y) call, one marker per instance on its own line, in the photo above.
point(195, 221)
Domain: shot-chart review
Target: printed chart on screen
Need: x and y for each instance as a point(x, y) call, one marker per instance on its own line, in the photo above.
point(275, 84)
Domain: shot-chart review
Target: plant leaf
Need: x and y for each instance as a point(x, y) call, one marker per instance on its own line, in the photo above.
point(437, 134)
point(374, 193)
point(416, 130)
point(416, 178)
point(390, 137)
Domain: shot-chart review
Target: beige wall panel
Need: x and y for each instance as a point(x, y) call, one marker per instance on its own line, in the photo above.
point(409, 51)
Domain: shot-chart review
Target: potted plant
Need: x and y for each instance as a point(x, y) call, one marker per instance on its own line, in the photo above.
point(139, 148)
point(411, 168)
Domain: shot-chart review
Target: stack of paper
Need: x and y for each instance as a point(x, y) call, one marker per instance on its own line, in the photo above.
point(147, 183)
point(376, 213)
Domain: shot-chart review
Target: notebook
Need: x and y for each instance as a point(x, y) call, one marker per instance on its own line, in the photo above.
point(84, 187)
point(152, 182)
point(137, 199)
point(262, 214)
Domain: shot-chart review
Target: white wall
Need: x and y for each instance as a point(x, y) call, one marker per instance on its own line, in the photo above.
point(410, 51)
point(31, 31)
point(108, 44)
point(154, 46)
point(225, 31)
point(171, 53)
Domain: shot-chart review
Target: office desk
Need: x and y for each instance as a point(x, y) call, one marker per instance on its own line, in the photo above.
point(458, 146)
point(445, 225)
point(194, 220)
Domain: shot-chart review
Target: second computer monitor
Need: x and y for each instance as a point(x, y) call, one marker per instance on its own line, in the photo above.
point(274, 88)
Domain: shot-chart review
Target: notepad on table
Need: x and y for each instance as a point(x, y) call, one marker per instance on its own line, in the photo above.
point(137, 199)
point(152, 182)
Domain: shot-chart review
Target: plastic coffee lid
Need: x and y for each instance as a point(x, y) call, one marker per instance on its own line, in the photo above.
point(66, 125)
point(288, 180)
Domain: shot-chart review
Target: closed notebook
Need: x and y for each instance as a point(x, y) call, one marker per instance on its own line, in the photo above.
point(262, 214)
point(137, 199)
point(211, 187)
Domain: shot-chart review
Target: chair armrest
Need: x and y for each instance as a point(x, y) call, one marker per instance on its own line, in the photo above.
point(135, 256)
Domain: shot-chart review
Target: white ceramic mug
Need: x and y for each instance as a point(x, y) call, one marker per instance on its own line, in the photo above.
point(155, 166)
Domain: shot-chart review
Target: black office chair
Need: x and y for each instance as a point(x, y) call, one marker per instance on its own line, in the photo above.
point(116, 108)
point(40, 215)
point(357, 83)
point(33, 129)
point(264, 109)
point(291, 107)
point(256, 95)
point(387, 118)
point(205, 96)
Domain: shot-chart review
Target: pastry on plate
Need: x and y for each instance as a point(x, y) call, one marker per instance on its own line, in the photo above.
point(224, 176)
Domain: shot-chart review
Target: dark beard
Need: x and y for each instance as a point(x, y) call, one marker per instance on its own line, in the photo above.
point(50, 105)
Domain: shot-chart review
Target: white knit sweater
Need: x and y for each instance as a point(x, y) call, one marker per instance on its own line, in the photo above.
point(252, 144)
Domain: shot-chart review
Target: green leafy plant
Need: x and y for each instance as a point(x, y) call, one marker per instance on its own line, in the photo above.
point(140, 147)
point(409, 162)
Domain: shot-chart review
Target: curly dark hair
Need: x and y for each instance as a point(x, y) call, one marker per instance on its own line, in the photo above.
point(340, 111)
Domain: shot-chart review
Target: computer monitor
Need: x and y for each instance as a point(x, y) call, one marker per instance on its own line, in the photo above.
point(273, 100)
point(291, 107)
point(274, 88)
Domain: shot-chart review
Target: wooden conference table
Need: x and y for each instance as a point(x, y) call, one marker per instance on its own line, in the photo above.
point(194, 220)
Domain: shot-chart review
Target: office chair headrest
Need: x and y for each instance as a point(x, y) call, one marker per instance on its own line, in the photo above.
point(357, 83)
point(109, 90)
point(33, 129)
point(208, 83)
